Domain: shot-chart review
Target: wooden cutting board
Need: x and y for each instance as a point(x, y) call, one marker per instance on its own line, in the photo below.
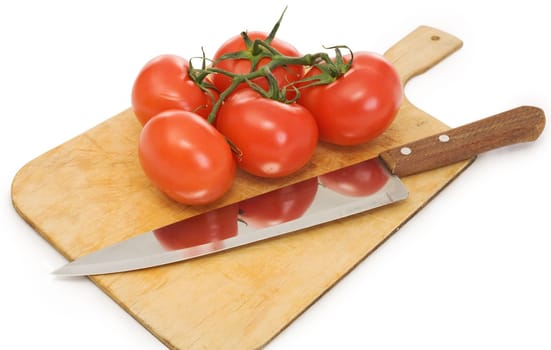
point(90, 192)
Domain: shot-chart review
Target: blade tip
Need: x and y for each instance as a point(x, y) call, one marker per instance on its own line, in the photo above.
point(66, 271)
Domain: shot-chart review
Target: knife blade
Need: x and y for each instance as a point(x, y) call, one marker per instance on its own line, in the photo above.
point(348, 191)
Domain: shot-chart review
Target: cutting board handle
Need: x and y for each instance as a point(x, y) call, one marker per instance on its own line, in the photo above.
point(420, 50)
point(521, 124)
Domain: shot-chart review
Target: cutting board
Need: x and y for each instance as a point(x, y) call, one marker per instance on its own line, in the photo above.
point(90, 192)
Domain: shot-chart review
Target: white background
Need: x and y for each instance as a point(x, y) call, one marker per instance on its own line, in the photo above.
point(470, 271)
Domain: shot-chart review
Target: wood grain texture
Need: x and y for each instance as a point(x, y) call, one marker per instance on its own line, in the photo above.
point(521, 124)
point(90, 192)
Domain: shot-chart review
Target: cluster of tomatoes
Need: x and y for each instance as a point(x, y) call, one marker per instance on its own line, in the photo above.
point(195, 135)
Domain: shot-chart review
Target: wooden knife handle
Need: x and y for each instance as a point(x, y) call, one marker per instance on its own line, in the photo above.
point(521, 124)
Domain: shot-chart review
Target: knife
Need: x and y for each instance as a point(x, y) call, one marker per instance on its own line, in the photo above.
point(351, 190)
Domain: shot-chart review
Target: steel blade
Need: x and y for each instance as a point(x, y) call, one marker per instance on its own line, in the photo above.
point(331, 196)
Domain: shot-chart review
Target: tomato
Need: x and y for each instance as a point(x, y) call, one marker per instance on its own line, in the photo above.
point(164, 83)
point(358, 106)
point(186, 157)
point(210, 227)
point(275, 138)
point(283, 74)
point(357, 180)
point(278, 206)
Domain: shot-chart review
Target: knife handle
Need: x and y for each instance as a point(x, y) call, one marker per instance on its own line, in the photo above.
point(521, 124)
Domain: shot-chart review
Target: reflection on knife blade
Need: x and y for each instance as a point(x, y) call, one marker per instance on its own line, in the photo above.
point(331, 196)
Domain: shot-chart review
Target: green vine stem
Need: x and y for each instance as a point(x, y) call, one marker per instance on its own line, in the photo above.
point(255, 51)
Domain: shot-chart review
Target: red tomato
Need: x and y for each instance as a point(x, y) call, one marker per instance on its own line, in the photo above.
point(275, 138)
point(164, 83)
point(357, 180)
point(210, 227)
point(186, 157)
point(358, 106)
point(284, 74)
point(282, 205)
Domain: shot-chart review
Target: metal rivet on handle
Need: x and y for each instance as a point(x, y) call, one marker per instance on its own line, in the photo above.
point(405, 151)
point(443, 138)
